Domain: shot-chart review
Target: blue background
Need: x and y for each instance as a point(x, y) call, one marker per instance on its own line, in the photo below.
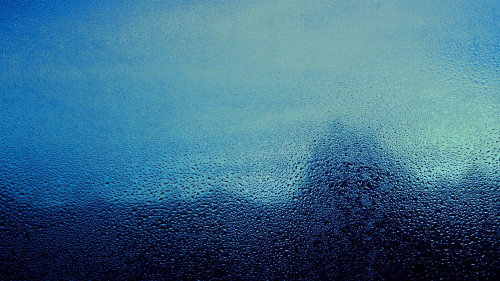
point(308, 140)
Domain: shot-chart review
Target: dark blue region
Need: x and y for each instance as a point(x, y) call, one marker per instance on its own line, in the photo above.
point(360, 216)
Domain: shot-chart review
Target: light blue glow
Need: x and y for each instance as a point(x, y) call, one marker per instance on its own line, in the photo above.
point(127, 100)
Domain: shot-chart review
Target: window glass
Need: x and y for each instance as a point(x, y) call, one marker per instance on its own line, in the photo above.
point(249, 140)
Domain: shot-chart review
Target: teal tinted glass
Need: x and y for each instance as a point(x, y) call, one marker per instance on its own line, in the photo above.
point(249, 140)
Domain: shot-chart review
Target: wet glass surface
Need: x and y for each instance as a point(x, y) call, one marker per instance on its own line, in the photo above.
point(249, 140)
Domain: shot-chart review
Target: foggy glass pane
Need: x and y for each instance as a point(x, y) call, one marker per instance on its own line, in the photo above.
point(249, 140)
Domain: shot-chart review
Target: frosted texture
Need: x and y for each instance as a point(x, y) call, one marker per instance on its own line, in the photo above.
point(249, 140)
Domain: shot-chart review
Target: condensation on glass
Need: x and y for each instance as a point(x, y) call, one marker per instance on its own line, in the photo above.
point(249, 140)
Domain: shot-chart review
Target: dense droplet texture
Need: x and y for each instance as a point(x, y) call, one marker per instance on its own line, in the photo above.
point(249, 140)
